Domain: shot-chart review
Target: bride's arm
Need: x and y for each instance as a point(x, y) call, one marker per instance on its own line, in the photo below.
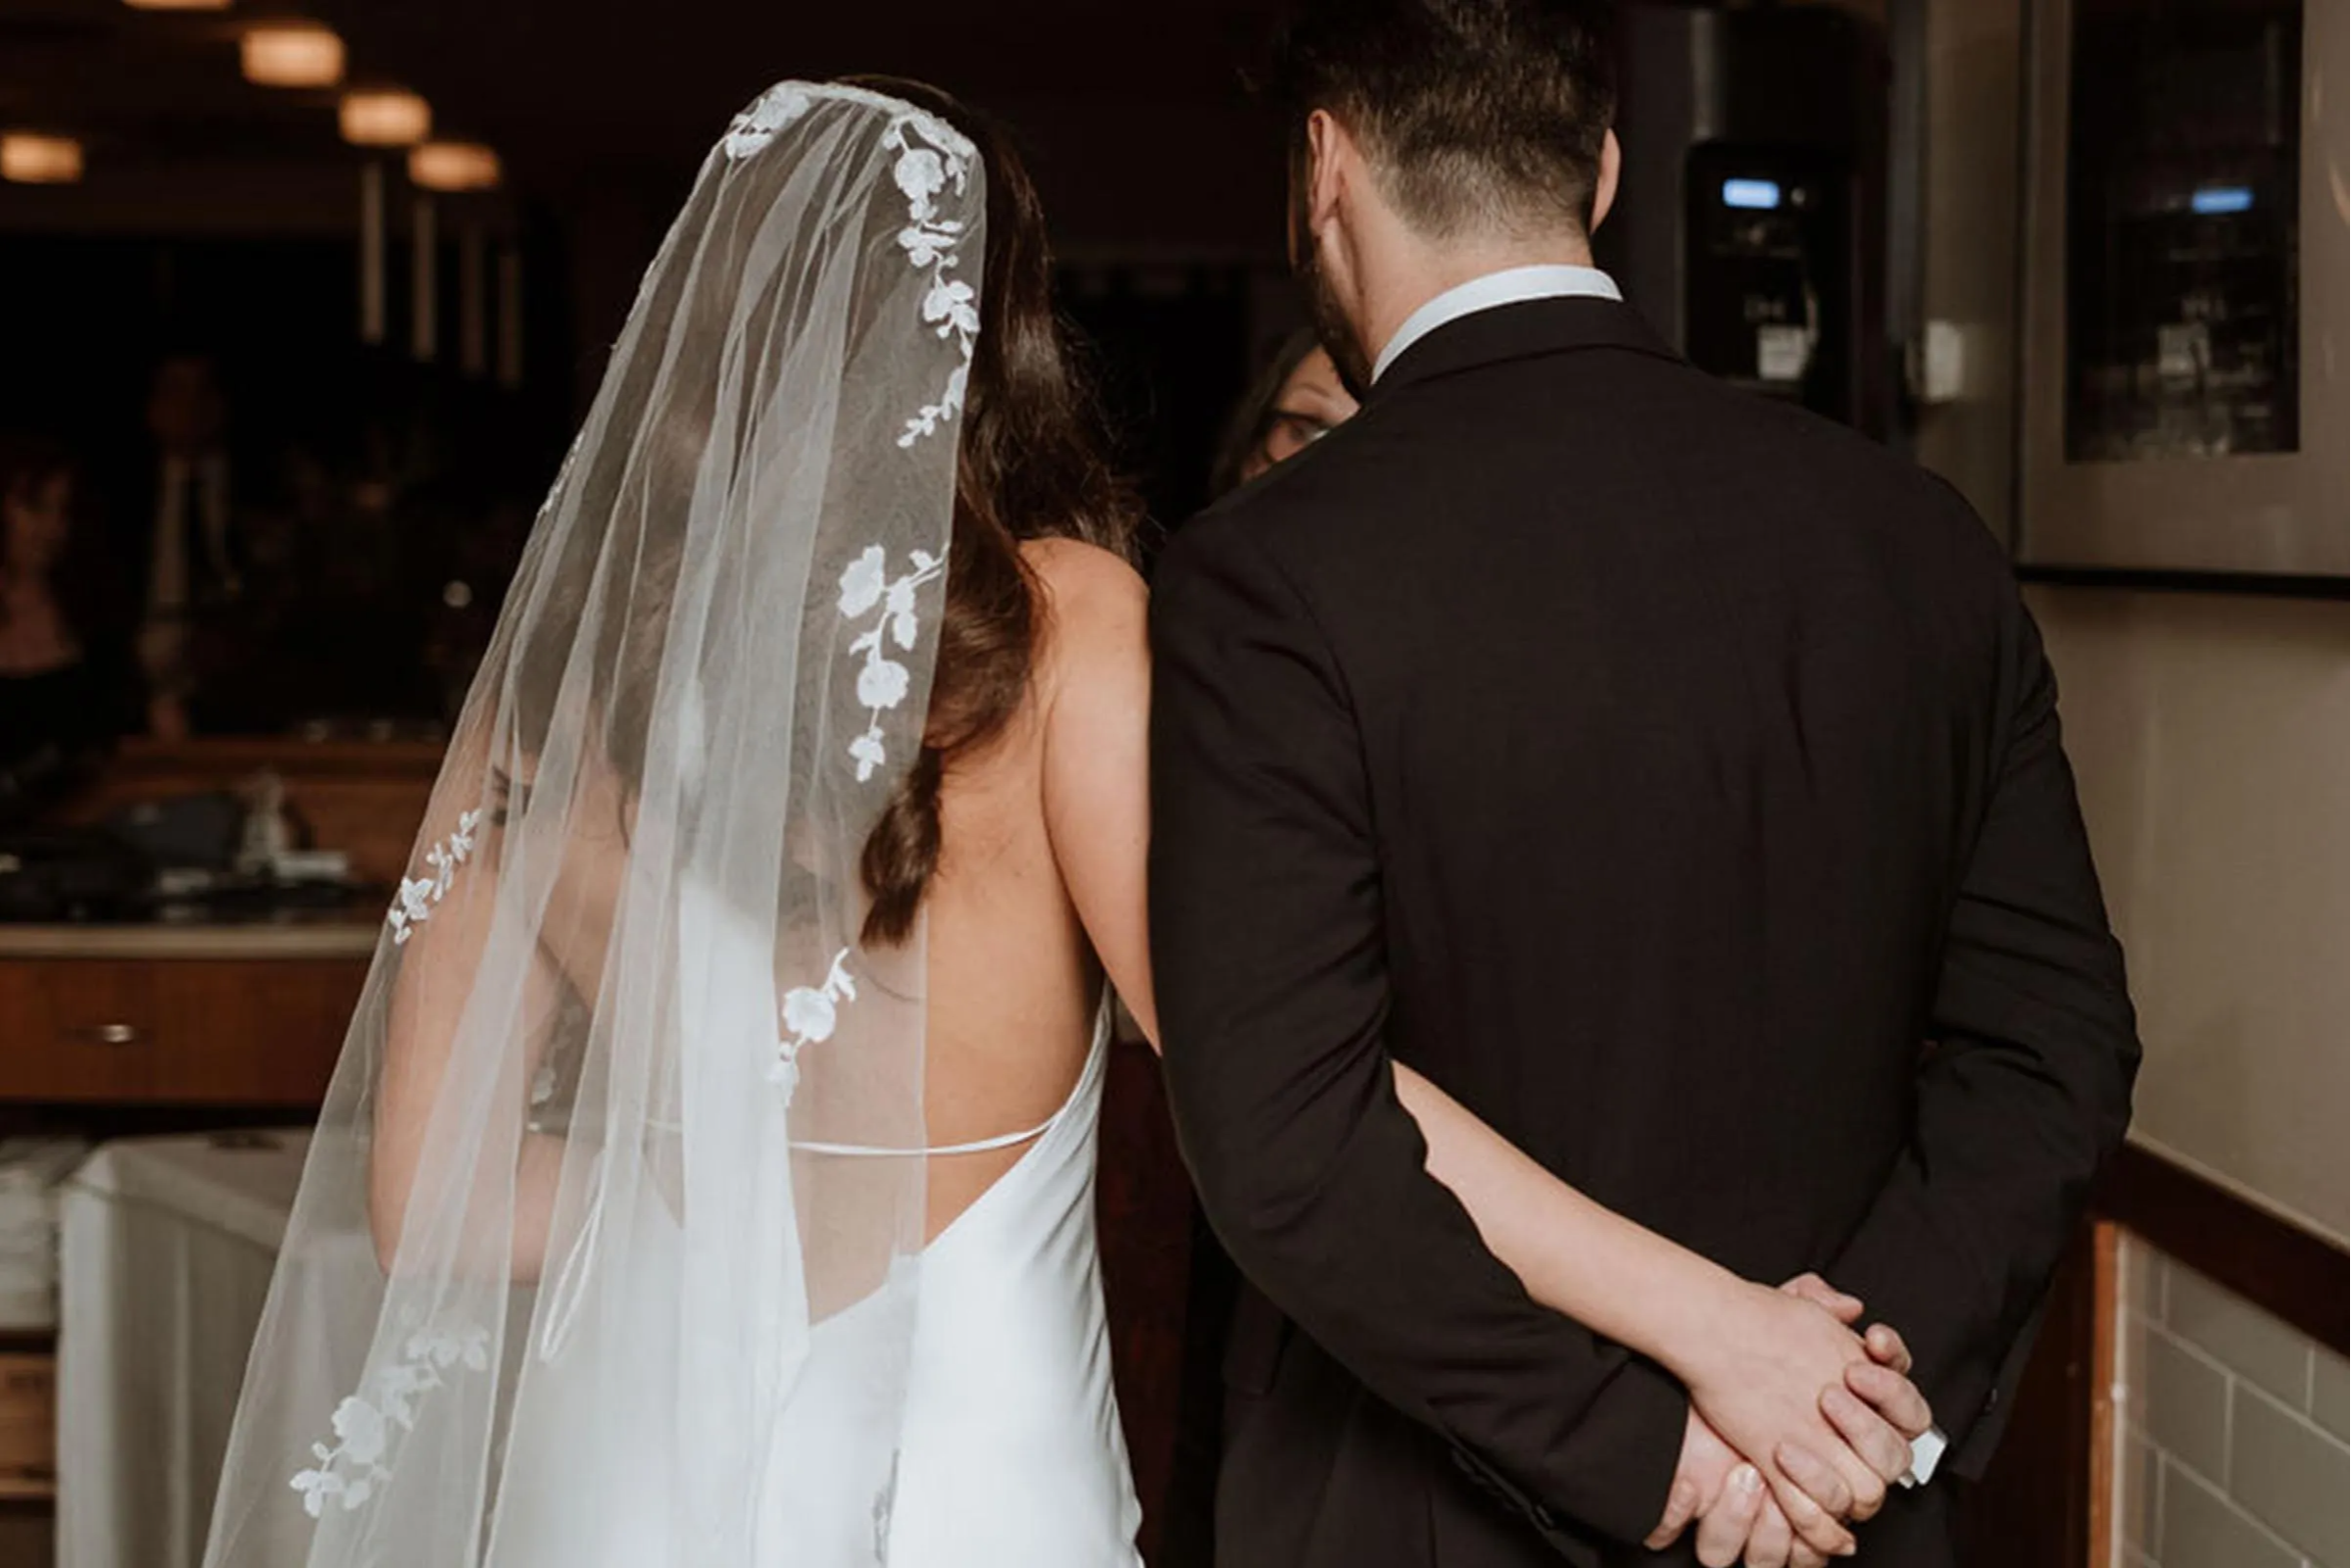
point(1752, 1358)
point(430, 993)
point(1612, 1276)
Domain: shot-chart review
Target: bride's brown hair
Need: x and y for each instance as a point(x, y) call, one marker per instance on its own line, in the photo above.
point(1035, 463)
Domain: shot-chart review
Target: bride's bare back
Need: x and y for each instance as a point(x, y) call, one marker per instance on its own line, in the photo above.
point(1043, 848)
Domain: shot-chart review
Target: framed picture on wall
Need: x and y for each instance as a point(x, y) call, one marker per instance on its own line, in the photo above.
point(2184, 403)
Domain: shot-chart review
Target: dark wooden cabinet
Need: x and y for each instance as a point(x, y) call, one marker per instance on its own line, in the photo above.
point(246, 1032)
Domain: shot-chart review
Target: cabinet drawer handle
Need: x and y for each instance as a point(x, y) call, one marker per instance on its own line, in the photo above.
point(114, 1034)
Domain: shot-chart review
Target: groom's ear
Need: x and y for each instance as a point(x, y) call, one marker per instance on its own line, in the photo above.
point(1603, 192)
point(1331, 153)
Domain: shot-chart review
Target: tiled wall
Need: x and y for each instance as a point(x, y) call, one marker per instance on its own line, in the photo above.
point(2231, 1429)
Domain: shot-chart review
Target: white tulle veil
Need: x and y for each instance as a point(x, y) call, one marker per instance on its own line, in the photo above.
point(571, 1280)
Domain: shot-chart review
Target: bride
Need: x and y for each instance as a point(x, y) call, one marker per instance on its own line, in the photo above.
point(708, 1180)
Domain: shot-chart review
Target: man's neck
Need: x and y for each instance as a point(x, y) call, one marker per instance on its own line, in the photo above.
point(1394, 296)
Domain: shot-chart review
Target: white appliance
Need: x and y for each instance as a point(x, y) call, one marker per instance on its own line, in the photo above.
point(167, 1244)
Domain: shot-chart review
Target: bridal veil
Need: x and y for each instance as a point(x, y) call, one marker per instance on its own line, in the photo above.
point(573, 1260)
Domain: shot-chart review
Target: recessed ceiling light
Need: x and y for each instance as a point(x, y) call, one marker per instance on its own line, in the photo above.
point(386, 116)
point(27, 159)
point(291, 54)
point(453, 165)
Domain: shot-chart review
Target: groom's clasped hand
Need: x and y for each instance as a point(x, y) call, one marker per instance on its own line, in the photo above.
point(1800, 1424)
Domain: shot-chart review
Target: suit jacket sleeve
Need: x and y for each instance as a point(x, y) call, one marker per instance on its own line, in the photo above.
point(1267, 945)
point(2025, 1091)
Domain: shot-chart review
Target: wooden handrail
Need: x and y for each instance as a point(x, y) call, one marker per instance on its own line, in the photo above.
point(2283, 1269)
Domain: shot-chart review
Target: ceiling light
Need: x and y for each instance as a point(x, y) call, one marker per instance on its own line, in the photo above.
point(453, 165)
point(30, 160)
point(178, 5)
point(295, 54)
point(385, 117)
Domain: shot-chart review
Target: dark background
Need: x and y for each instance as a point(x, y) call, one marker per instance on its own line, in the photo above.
point(221, 216)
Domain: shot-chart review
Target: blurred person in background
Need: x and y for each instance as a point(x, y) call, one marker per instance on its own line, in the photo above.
point(63, 682)
point(1297, 401)
point(191, 556)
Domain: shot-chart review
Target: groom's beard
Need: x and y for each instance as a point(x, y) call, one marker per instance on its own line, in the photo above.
point(1331, 325)
point(1337, 332)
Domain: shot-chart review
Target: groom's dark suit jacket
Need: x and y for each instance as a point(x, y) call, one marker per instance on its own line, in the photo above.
point(1674, 778)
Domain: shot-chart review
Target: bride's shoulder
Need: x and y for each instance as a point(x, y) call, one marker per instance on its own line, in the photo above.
point(1090, 593)
point(1073, 570)
point(1097, 612)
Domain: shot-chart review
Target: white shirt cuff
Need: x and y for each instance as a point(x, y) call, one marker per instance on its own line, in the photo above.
point(1925, 1452)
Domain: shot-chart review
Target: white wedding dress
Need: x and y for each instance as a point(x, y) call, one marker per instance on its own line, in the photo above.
point(1013, 1457)
point(1010, 1453)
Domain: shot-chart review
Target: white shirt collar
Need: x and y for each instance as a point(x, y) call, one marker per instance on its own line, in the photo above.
point(1512, 288)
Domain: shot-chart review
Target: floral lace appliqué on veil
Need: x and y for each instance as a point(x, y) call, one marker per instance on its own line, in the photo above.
point(369, 1424)
point(421, 896)
point(928, 163)
point(868, 589)
point(810, 1015)
point(933, 158)
point(755, 127)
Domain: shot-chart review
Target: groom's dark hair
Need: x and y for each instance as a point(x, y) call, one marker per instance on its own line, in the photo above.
point(1476, 114)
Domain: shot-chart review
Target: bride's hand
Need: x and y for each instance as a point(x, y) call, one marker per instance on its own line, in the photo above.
point(1878, 1410)
point(1761, 1370)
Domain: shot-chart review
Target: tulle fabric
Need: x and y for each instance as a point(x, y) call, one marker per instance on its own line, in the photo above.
point(561, 1275)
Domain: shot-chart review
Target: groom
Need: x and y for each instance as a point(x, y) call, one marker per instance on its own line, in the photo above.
point(1651, 766)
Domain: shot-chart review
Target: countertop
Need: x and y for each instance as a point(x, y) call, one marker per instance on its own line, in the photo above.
point(343, 937)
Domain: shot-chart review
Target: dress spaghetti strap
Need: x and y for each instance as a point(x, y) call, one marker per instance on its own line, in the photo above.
point(984, 1146)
